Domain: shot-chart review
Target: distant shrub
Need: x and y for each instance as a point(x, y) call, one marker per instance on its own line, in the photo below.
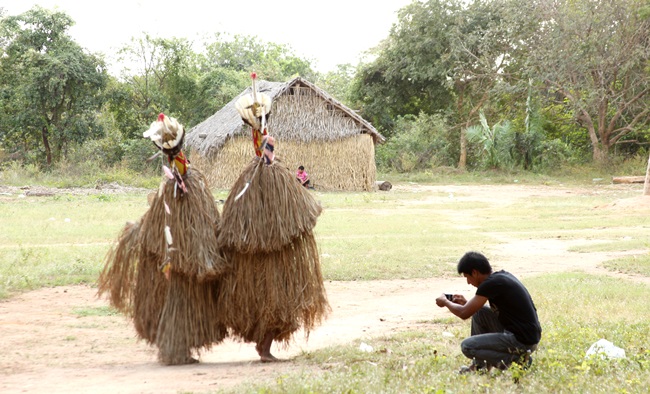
point(106, 151)
point(423, 142)
point(136, 153)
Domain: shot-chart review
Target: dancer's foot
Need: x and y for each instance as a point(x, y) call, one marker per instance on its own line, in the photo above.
point(268, 358)
point(264, 348)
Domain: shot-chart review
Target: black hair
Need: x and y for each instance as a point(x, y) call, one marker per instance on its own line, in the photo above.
point(301, 168)
point(474, 261)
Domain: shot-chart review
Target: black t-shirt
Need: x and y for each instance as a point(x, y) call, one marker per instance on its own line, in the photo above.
point(513, 305)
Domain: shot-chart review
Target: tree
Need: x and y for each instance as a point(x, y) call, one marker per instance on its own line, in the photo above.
point(51, 88)
point(592, 56)
point(443, 56)
point(409, 74)
point(338, 82)
point(160, 75)
point(226, 64)
point(246, 54)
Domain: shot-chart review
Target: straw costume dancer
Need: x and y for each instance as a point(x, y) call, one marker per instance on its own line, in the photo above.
point(164, 270)
point(275, 286)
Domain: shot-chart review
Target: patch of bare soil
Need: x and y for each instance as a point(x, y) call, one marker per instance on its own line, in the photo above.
point(50, 346)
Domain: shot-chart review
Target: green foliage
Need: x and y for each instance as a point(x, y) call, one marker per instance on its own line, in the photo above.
point(338, 83)
point(409, 75)
point(495, 143)
point(51, 88)
point(246, 54)
point(219, 86)
point(135, 156)
point(507, 144)
point(591, 60)
point(106, 151)
point(423, 142)
point(88, 173)
point(159, 76)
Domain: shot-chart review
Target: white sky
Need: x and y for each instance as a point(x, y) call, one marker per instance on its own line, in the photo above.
point(329, 32)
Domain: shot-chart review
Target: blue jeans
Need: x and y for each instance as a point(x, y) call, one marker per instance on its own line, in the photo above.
point(490, 344)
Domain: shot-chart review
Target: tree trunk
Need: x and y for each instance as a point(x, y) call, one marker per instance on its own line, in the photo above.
point(46, 143)
point(462, 161)
point(646, 184)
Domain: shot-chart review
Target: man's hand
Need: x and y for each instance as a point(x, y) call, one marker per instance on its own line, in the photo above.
point(459, 299)
point(455, 299)
point(442, 300)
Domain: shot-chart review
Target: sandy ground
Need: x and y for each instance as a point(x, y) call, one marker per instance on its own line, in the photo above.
point(48, 346)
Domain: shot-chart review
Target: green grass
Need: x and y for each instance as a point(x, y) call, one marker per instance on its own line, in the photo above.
point(575, 310)
point(59, 240)
point(98, 311)
point(48, 241)
point(635, 264)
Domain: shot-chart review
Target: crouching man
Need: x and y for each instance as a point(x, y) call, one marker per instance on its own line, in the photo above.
point(505, 332)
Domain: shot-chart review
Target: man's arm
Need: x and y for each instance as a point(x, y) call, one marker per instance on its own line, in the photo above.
point(463, 311)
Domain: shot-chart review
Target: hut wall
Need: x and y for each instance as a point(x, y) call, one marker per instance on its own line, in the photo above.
point(342, 164)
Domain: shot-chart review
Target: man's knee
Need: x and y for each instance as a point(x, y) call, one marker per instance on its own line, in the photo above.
point(468, 347)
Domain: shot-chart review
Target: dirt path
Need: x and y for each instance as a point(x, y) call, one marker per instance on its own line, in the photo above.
point(48, 346)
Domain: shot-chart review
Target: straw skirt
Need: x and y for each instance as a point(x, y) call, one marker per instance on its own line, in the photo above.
point(177, 314)
point(275, 284)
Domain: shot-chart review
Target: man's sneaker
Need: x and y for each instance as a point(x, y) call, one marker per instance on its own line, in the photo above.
point(474, 368)
point(526, 360)
point(464, 370)
point(529, 362)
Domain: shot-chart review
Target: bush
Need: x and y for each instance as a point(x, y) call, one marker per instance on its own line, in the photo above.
point(107, 151)
point(423, 142)
point(136, 153)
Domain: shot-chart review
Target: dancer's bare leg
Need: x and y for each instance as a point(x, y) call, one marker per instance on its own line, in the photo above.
point(264, 348)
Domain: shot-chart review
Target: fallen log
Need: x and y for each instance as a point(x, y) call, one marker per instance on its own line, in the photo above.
point(628, 179)
point(31, 193)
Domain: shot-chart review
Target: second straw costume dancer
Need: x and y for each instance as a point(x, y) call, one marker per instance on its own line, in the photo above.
point(275, 286)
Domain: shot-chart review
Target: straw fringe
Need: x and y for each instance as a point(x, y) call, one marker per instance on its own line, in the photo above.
point(150, 295)
point(272, 212)
point(193, 221)
point(281, 292)
point(188, 322)
point(118, 276)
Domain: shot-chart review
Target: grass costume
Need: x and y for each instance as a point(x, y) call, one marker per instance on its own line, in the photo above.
point(163, 272)
point(275, 286)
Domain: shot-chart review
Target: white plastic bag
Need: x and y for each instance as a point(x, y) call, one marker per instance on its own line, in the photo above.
point(605, 349)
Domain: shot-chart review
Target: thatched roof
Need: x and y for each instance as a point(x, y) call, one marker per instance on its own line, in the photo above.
point(210, 135)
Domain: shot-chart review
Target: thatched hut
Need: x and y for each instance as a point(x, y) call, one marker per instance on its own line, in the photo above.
point(311, 128)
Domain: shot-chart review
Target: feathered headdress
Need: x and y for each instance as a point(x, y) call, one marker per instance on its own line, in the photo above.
point(254, 107)
point(167, 134)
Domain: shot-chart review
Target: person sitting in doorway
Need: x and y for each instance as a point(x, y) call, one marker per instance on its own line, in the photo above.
point(303, 177)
